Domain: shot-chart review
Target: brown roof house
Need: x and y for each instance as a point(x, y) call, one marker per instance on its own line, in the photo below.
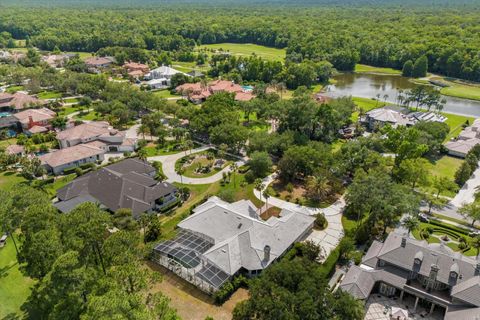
point(57, 161)
point(112, 139)
point(198, 93)
point(15, 150)
point(136, 70)
point(126, 184)
point(95, 64)
point(18, 101)
point(431, 277)
point(35, 120)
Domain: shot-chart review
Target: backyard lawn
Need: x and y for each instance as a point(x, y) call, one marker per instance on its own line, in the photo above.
point(49, 95)
point(165, 94)
point(9, 179)
point(14, 287)
point(363, 68)
point(67, 110)
point(446, 166)
point(366, 104)
point(245, 49)
point(456, 122)
point(14, 89)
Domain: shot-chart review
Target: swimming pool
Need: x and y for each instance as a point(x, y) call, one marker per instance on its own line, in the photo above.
point(247, 88)
point(5, 114)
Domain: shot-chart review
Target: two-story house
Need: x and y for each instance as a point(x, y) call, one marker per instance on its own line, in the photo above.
point(429, 274)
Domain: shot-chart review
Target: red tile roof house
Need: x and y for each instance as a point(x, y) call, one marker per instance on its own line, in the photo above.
point(35, 120)
point(15, 149)
point(197, 94)
point(136, 70)
point(18, 101)
point(101, 131)
point(57, 161)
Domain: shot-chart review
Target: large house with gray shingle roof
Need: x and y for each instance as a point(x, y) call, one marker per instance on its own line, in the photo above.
point(126, 184)
point(432, 274)
point(223, 239)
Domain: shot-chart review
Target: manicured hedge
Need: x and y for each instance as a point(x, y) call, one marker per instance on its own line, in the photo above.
point(170, 206)
point(449, 226)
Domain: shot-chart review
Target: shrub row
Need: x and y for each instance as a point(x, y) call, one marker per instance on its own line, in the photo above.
point(170, 206)
point(228, 288)
point(449, 226)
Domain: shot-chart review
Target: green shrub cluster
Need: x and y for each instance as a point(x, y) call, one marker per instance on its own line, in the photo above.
point(229, 288)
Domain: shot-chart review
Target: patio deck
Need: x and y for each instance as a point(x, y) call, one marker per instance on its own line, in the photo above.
point(375, 308)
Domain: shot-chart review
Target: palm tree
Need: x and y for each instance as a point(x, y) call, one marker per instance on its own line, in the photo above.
point(259, 186)
point(410, 223)
point(318, 187)
point(234, 169)
point(142, 154)
point(180, 171)
point(266, 196)
point(143, 130)
point(475, 243)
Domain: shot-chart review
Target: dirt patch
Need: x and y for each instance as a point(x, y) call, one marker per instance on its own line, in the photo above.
point(271, 212)
point(190, 302)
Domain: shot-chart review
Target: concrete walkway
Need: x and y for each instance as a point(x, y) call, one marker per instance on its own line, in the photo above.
point(168, 166)
point(466, 194)
point(329, 238)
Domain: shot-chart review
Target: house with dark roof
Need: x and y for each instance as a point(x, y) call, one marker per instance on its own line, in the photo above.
point(432, 275)
point(126, 184)
point(220, 240)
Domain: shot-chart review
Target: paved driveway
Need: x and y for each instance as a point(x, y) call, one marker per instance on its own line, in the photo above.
point(466, 194)
point(329, 238)
point(168, 166)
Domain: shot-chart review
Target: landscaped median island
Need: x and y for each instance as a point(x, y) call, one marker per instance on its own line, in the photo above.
point(203, 164)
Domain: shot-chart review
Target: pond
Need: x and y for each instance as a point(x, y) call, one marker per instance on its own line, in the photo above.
point(369, 85)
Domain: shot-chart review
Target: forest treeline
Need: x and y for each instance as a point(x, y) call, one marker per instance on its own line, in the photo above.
point(450, 39)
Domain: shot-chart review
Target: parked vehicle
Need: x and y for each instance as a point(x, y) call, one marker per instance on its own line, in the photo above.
point(3, 240)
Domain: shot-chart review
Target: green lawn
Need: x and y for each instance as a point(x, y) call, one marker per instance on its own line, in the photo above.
point(165, 94)
point(14, 287)
point(67, 110)
point(9, 179)
point(455, 123)
point(245, 49)
point(49, 95)
point(446, 166)
point(92, 115)
point(189, 66)
point(459, 89)
point(363, 68)
point(14, 89)
point(366, 104)
point(71, 100)
point(52, 188)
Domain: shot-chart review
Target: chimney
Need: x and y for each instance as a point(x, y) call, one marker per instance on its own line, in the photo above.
point(30, 122)
point(433, 271)
point(404, 242)
point(266, 253)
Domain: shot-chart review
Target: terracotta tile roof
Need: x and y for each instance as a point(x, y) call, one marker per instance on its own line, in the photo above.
point(42, 114)
point(37, 129)
point(134, 66)
point(18, 100)
point(86, 130)
point(244, 96)
point(98, 61)
point(15, 149)
point(71, 154)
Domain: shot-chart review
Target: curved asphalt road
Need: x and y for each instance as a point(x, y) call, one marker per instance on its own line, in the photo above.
point(168, 166)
